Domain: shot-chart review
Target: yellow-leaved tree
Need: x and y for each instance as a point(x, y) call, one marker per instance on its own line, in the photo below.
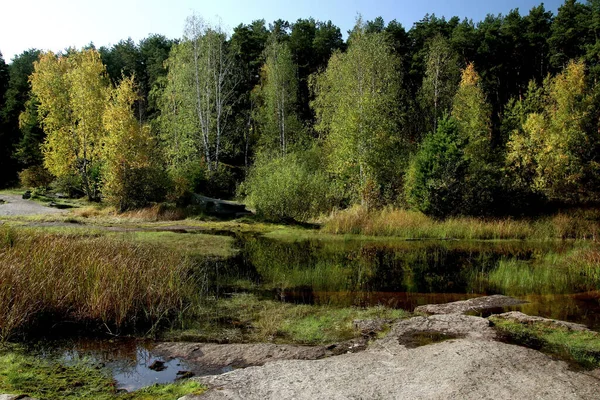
point(554, 151)
point(72, 91)
point(132, 175)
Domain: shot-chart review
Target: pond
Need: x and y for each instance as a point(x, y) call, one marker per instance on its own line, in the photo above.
point(406, 274)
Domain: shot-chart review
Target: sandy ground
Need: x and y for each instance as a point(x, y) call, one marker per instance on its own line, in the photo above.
point(15, 205)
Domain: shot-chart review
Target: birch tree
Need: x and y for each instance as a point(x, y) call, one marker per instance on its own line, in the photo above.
point(72, 91)
point(199, 94)
point(278, 93)
point(356, 104)
point(440, 81)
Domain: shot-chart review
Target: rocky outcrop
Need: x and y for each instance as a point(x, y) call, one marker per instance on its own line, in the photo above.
point(465, 306)
point(529, 319)
point(473, 366)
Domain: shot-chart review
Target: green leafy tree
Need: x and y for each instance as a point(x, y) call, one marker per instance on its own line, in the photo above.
point(440, 81)
point(280, 126)
point(197, 101)
point(436, 176)
point(355, 104)
point(72, 92)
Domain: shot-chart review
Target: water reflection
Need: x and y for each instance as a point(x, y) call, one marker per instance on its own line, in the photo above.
point(132, 363)
point(405, 274)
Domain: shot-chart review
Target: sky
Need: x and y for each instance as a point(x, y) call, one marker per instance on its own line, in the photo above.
point(57, 24)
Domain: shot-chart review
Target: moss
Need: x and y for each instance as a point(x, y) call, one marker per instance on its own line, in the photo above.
point(580, 347)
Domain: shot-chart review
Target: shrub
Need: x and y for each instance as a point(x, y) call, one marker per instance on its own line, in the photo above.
point(290, 187)
point(35, 177)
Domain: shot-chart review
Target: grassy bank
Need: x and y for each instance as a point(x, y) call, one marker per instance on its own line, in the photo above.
point(581, 347)
point(575, 271)
point(49, 278)
point(412, 224)
point(245, 318)
point(43, 379)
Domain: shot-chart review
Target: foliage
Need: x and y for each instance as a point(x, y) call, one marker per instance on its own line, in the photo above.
point(290, 187)
point(436, 176)
point(197, 100)
point(355, 104)
point(441, 80)
point(35, 177)
point(132, 174)
point(280, 127)
point(553, 150)
point(72, 91)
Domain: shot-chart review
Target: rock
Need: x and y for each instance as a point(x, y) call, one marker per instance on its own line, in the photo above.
point(476, 304)
point(157, 366)
point(456, 369)
point(370, 327)
point(27, 195)
point(15, 397)
point(210, 358)
point(219, 207)
point(529, 319)
point(184, 375)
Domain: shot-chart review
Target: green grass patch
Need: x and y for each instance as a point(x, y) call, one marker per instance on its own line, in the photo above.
point(581, 347)
point(194, 244)
point(44, 379)
point(245, 318)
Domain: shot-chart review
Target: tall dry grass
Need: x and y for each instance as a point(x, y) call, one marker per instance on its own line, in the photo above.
point(412, 224)
point(81, 279)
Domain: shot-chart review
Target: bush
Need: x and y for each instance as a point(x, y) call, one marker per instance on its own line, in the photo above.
point(35, 177)
point(131, 188)
point(290, 187)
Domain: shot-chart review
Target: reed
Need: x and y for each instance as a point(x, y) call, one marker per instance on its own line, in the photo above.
point(412, 224)
point(101, 280)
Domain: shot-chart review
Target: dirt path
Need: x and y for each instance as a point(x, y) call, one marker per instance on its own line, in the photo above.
point(12, 205)
point(472, 366)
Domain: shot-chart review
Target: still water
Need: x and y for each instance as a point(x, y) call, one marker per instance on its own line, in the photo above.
point(406, 274)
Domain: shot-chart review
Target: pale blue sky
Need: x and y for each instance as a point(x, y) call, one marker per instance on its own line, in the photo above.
point(57, 24)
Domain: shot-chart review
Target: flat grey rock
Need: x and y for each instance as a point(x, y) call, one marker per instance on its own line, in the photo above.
point(475, 304)
point(529, 319)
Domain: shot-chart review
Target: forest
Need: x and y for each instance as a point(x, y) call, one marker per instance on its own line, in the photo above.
point(499, 117)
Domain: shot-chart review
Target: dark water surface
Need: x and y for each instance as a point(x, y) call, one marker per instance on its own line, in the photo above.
point(406, 274)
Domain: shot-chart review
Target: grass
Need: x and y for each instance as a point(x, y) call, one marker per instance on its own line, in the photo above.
point(57, 277)
point(581, 347)
point(411, 224)
point(44, 379)
point(245, 318)
point(574, 271)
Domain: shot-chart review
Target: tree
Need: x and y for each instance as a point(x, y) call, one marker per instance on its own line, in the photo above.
point(131, 173)
point(555, 150)
point(72, 92)
point(356, 99)
point(198, 97)
point(570, 31)
point(5, 139)
point(278, 94)
point(440, 81)
point(436, 175)
point(12, 134)
point(472, 114)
